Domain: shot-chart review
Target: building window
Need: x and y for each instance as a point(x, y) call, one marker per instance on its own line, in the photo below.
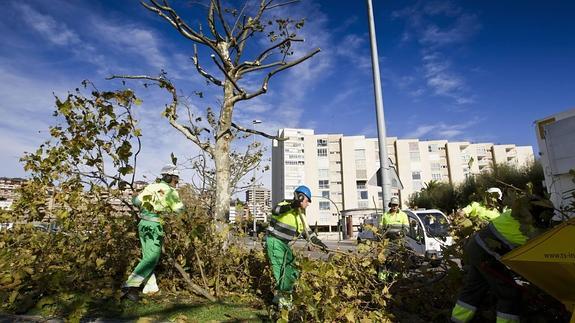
point(323, 183)
point(436, 177)
point(325, 194)
point(324, 205)
point(322, 152)
point(322, 142)
point(323, 173)
point(432, 148)
point(363, 204)
point(414, 146)
point(414, 156)
point(416, 175)
point(362, 195)
point(435, 166)
point(360, 185)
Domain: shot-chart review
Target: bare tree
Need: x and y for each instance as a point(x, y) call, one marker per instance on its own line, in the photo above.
point(230, 31)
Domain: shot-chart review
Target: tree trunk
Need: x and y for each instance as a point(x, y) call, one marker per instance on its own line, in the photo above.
point(222, 157)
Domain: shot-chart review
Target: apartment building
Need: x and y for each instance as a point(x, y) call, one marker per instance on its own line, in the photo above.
point(8, 191)
point(261, 197)
point(338, 168)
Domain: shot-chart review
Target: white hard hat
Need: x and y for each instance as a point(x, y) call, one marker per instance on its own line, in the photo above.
point(170, 170)
point(495, 190)
point(394, 200)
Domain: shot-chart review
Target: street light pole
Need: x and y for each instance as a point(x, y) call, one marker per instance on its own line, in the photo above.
point(254, 122)
point(384, 177)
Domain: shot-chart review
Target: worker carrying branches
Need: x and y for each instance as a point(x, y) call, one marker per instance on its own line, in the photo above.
point(155, 201)
point(288, 223)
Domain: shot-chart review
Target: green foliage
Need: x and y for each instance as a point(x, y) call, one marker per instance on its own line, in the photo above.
point(97, 132)
point(446, 197)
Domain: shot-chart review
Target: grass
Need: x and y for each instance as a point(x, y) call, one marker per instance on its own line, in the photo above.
point(172, 308)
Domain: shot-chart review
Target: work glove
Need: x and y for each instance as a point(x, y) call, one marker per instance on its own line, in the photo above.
point(316, 241)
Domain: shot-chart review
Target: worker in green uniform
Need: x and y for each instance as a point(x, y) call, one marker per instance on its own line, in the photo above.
point(287, 224)
point(394, 224)
point(155, 201)
point(489, 209)
point(513, 228)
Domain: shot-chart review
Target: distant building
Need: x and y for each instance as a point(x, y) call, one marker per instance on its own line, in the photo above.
point(337, 168)
point(261, 196)
point(8, 191)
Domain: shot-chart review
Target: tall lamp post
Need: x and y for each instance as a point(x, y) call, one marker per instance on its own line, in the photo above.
point(385, 185)
point(254, 123)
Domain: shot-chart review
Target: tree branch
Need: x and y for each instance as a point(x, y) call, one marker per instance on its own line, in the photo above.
point(227, 75)
point(202, 72)
point(263, 55)
point(281, 4)
point(222, 20)
point(170, 108)
point(211, 22)
point(255, 132)
point(176, 21)
point(264, 86)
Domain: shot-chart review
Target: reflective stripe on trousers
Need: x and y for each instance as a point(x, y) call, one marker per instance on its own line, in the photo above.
point(507, 318)
point(462, 312)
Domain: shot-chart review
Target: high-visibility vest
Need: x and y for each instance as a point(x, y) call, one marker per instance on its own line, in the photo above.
point(158, 198)
point(504, 234)
point(476, 210)
point(288, 225)
point(395, 222)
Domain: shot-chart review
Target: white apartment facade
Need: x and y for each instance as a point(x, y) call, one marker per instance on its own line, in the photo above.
point(337, 168)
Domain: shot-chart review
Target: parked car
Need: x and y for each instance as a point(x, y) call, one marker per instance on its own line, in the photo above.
point(427, 235)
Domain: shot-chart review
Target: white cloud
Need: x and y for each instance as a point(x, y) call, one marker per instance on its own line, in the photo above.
point(442, 130)
point(54, 31)
point(457, 27)
point(133, 39)
point(443, 81)
point(463, 28)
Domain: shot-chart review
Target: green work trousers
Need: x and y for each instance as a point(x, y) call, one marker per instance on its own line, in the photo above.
point(283, 264)
point(151, 236)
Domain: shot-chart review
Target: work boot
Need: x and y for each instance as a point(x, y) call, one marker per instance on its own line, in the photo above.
point(283, 301)
point(131, 293)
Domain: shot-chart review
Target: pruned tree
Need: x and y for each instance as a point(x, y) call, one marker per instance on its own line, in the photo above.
point(230, 32)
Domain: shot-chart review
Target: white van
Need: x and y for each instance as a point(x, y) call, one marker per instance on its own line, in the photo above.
point(428, 232)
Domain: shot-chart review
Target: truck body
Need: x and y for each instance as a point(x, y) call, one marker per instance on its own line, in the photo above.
point(548, 261)
point(556, 141)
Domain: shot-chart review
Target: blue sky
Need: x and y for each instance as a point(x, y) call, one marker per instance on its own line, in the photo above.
point(477, 71)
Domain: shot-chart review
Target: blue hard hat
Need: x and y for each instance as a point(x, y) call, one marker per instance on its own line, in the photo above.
point(304, 190)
